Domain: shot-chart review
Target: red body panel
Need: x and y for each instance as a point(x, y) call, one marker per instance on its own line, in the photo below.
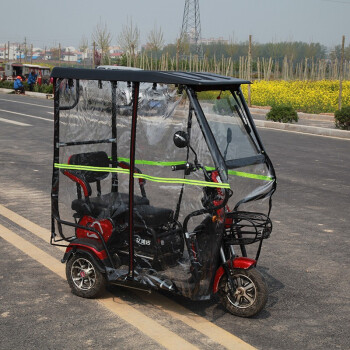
point(237, 263)
point(105, 227)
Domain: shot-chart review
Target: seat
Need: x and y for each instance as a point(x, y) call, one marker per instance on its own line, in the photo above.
point(147, 215)
point(112, 204)
point(107, 205)
point(101, 206)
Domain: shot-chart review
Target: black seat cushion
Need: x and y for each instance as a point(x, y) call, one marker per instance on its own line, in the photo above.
point(107, 205)
point(113, 204)
point(152, 216)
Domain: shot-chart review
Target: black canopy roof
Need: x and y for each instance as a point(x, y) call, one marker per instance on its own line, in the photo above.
point(199, 81)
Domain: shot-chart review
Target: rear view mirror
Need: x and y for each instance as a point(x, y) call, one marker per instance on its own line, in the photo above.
point(180, 139)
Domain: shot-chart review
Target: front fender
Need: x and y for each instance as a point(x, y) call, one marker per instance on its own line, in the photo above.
point(237, 263)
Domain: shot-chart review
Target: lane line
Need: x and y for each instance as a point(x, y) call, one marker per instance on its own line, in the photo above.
point(167, 305)
point(201, 324)
point(14, 122)
point(32, 251)
point(28, 225)
point(146, 325)
point(26, 103)
point(27, 115)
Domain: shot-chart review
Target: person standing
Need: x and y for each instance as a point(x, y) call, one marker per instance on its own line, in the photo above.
point(18, 85)
point(32, 80)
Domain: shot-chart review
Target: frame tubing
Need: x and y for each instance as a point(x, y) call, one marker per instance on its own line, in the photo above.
point(136, 86)
point(114, 136)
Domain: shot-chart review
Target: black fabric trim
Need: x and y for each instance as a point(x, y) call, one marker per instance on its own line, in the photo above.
point(242, 162)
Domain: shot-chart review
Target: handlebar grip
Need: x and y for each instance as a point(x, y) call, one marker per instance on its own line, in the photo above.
point(179, 167)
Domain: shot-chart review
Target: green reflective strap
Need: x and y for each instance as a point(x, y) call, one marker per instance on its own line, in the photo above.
point(144, 176)
point(126, 171)
point(150, 162)
point(230, 172)
point(91, 168)
point(251, 176)
point(243, 174)
point(182, 181)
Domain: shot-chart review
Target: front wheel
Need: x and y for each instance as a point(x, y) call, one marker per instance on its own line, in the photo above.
point(83, 276)
point(249, 294)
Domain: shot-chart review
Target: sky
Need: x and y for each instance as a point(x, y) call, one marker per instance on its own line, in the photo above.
point(48, 23)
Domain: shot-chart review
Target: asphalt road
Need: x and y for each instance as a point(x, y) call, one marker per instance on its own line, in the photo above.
point(305, 262)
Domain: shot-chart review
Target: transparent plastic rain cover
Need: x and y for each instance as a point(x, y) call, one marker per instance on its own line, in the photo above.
point(164, 255)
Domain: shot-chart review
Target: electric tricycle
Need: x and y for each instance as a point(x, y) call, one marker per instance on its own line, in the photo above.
point(169, 198)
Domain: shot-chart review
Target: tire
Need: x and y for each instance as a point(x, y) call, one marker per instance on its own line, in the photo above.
point(249, 296)
point(83, 276)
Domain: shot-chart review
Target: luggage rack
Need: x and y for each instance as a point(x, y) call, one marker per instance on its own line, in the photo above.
point(244, 227)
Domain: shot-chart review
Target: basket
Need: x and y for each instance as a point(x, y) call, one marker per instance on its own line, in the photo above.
point(244, 227)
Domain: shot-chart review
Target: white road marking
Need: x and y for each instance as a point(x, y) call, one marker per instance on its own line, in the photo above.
point(27, 115)
point(13, 122)
point(25, 103)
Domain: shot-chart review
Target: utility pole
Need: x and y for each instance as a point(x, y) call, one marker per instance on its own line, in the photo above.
point(25, 49)
point(8, 53)
point(249, 70)
point(93, 55)
point(177, 53)
point(59, 54)
point(5, 53)
point(31, 53)
point(341, 72)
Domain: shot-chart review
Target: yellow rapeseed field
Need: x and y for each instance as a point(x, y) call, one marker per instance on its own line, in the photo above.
point(306, 96)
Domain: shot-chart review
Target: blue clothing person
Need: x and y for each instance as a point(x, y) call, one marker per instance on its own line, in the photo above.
point(18, 86)
point(31, 80)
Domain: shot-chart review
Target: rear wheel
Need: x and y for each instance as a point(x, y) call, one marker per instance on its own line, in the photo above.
point(249, 294)
point(83, 276)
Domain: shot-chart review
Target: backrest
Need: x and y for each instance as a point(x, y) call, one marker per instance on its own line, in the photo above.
point(97, 159)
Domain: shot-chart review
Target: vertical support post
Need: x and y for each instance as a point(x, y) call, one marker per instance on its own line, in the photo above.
point(31, 53)
point(249, 70)
point(136, 86)
point(114, 136)
point(341, 73)
point(55, 171)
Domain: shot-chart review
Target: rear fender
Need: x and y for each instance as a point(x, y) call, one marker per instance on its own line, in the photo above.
point(237, 263)
point(72, 249)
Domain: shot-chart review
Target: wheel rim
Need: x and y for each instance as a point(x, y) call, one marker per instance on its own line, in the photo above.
point(244, 293)
point(83, 274)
